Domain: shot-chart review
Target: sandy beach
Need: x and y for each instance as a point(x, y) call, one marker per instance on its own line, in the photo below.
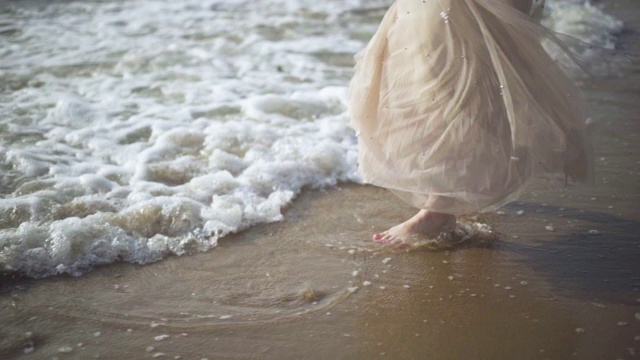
point(555, 275)
point(314, 287)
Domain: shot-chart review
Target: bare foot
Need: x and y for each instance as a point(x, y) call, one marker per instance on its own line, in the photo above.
point(423, 223)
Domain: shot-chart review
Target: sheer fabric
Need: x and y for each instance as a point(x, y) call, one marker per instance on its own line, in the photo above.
point(457, 105)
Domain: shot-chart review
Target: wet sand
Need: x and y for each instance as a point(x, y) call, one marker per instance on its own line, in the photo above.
point(559, 279)
point(288, 291)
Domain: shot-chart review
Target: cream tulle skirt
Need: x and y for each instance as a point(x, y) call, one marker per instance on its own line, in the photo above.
point(458, 106)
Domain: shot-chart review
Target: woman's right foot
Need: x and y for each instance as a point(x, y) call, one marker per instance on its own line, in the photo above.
point(425, 223)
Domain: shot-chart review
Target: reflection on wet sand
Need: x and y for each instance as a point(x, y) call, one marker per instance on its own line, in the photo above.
point(306, 288)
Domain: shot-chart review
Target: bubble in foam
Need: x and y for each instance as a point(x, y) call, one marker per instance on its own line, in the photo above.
point(65, 349)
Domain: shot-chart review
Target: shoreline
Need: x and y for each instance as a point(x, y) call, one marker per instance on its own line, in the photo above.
point(315, 281)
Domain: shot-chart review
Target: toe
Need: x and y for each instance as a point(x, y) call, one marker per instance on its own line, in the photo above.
point(387, 239)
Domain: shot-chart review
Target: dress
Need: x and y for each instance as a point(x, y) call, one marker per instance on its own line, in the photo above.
point(457, 105)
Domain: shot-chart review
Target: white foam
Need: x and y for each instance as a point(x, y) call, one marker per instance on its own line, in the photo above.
point(596, 32)
point(128, 134)
point(583, 20)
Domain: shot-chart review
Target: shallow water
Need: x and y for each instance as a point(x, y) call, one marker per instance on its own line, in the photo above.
point(134, 130)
